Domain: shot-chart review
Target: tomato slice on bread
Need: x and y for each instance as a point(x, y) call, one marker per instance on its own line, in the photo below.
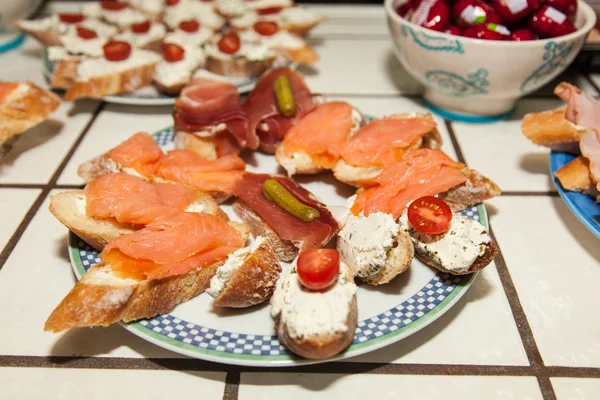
point(229, 43)
point(269, 10)
point(141, 27)
point(430, 215)
point(86, 33)
point(116, 50)
point(189, 25)
point(318, 268)
point(172, 52)
point(266, 28)
point(171, 2)
point(71, 18)
point(113, 5)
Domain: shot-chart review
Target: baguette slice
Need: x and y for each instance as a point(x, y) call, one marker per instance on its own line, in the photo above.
point(239, 66)
point(464, 236)
point(575, 176)
point(101, 298)
point(313, 345)
point(551, 129)
point(23, 108)
point(69, 208)
point(205, 147)
point(47, 37)
point(375, 248)
point(65, 73)
point(115, 82)
point(476, 189)
point(301, 55)
point(247, 277)
point(302, 28)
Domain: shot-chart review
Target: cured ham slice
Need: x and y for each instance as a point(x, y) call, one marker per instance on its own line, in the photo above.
point(308, 235)
point(206, 103)
point(172, 246)
point(131, 200)
point(321, 134)
point(140, 152)
point(423, 172)
point(265, 119)
point(185, 166)
point(383, 141)
point(584, 110)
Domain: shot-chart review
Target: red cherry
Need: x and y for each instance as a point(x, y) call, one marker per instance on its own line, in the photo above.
point(567, 7)
point(473, 12)
point(548, 22)
point(454, 30)
point(514, 10)
point(406, 9)
point(487, 32)
point(432, 14)
point(522, 34)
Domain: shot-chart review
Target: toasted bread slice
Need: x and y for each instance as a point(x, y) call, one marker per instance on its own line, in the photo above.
point(69, 208)
point(375, 248)
point(239, 66)
point(65, 73)
point(476, 189)
point(301, 55)
point(285, 250)
point(575, 176)
point(205, 147)
point(551, 129)
point(23, 108)
point(352, 175)
point(171, 77)
point(247, 277)
point(302, 27)
point(465, 248)
point(101, 298)
point(47, 37)
point(306, 341)
point(117, 81)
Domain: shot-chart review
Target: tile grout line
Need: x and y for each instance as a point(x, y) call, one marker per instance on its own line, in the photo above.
point(525, 333)
point(16, 236)
point(232, 385)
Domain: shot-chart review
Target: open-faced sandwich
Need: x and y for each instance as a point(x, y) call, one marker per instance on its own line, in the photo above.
point(574, 130)
point(23, 105)
point(298, 20)
point(176, 69)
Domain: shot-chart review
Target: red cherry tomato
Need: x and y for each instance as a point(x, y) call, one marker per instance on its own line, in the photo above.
point(430, 215)
point(266, 28)
point(269, 10)
point(318, 268)
point(548, 22)
point(116, 50)
point(189, 25)
point(141, 27)
point(171, 2)
point(172, 52)
point(71, 18)
point(229, 43)
point(86, 33)
point(113, 5)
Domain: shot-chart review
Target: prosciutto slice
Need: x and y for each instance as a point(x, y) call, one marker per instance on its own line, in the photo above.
point(206, 103)
point(584, 110)
point(309, 235)
point(265, 121)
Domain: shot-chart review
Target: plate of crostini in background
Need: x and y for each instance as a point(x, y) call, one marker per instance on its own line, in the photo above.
point(581, 205)
point(247, 337)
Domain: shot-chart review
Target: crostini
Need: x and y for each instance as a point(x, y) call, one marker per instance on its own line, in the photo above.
point(315, 323)
point(143, 35)
point(176, 68)
point(298, 20)
point(117, 13)
point(247, 277)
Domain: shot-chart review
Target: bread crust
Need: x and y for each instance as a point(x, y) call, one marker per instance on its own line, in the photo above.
point(308, 168)
point(46, 38)
point(322, 346)
point(480, 262)
point(253, 282)
point(303, 28)
point(122, 82)
point(551, 129)
point(302, 55)
point(64, 74)
point(93, 303)
point(205, 147)
point(476, 189)
point(398, 260)
point(284, 250)
point(239, 66)
point(575, 176)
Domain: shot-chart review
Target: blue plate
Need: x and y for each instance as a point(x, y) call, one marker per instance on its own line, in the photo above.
point(582, 206)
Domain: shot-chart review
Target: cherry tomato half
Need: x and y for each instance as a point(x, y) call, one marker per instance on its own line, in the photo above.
point(116, 50)
point(172, 52)
point(113, 5)
point(171, 2)
point(71, 18)
point(86, 33)
point(318, 268)
point(189, 25)
point(430, 215)
point(269, 10)
point(266, 28)
point(141, 27)
point(229, 43)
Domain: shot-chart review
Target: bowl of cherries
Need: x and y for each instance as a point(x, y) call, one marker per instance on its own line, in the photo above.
point(476, 58)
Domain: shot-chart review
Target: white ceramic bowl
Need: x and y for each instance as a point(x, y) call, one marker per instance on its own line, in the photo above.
point(481, 78)
point(11, 11)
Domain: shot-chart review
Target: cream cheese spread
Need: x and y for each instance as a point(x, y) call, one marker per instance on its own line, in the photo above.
point(298, 159)
point(151, 6)
point(455, 250)
point(194, 39)
point(245, 21)
point(91, 68)
point(121, 18)
point(364, 242)
point(262, 4)
point(155, 33)
point(230, 8)
point(281, 39)
point(297, 15)
point(89, 47)
point(172, 73)
point(250, 51)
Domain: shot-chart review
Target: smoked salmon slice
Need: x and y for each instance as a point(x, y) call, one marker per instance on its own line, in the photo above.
point(423, 172)
point(139, 152)
point(321, 133)
point(187, 167)
point(384, 141)
point(131, 200)
point(172, 246)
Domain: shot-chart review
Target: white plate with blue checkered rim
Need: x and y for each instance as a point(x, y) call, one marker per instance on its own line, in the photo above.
point(246, 337)
point(150, 96)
